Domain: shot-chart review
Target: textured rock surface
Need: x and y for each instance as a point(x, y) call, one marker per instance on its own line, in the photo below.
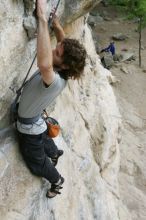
point(90, 121)
point(68, 11)
point(16, 52)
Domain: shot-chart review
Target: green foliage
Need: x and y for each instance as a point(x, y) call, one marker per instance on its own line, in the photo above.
point(135, 8)
point(118, 2)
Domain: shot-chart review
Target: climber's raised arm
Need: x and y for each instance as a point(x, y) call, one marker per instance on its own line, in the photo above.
point(44, 49)
point(58, 30)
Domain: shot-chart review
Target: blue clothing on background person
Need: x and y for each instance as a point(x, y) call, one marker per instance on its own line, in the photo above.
point(110, 48)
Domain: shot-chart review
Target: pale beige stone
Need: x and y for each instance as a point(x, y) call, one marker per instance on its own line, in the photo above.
point(89, 117)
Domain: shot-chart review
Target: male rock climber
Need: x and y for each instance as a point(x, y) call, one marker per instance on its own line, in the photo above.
point(56, 66)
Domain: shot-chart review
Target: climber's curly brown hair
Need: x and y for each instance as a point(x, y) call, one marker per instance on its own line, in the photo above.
point(74, 57)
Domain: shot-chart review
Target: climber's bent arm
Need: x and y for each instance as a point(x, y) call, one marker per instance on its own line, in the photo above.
point(58, 30)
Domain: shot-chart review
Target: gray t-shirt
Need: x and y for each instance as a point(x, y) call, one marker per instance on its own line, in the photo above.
point(35, 98)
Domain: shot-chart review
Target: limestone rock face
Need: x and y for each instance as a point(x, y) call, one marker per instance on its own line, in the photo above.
point(68, 11)
point(29, 6)
point(90, 121)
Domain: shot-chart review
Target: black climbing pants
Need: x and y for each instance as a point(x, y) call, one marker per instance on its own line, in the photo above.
point(35, 150)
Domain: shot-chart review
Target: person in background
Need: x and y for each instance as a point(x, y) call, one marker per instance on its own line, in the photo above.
point(107, 58)
point(111, 48)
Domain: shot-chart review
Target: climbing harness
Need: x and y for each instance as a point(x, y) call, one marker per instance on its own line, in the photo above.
point(15, 104)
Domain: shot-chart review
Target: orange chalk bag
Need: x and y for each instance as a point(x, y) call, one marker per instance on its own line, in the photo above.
point(53, 127)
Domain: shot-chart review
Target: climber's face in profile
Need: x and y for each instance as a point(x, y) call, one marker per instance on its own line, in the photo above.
point(58, 56)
